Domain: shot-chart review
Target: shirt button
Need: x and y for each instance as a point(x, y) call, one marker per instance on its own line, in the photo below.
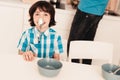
point(86, 16)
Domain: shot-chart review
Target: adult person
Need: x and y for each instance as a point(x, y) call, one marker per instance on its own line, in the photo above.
point(85, 22)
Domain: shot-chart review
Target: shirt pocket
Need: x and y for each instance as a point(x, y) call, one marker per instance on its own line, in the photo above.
point(36, 40)
point(34, 47)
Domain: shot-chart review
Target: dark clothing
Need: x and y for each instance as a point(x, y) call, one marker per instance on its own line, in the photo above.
point(84, 27)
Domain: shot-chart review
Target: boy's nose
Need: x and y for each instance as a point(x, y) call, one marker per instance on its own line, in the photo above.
point(41, 15)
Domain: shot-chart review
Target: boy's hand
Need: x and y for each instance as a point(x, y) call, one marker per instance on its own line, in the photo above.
point(29, 56)
point(56, 56)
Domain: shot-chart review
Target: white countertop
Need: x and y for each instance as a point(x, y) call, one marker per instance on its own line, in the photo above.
point(109, 17)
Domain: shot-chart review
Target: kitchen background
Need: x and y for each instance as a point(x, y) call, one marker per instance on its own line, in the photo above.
point(113, 5)
point(14, 20)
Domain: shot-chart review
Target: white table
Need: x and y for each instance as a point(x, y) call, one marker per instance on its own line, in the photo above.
point(13, 67)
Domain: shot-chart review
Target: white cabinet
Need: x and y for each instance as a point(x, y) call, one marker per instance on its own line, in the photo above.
point(63, 22)
point(11, 23)
point(108, 31)
point(26, 18)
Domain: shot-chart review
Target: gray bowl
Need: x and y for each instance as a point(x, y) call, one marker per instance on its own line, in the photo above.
point(107, 72)
point(49, 68)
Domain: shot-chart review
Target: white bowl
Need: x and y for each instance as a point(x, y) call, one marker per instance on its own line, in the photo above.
point(108, 72)
point(49, 68)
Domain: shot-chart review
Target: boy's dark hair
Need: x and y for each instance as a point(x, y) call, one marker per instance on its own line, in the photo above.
point(44, 6)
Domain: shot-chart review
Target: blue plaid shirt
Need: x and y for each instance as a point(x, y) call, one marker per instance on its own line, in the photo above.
point(44, 44)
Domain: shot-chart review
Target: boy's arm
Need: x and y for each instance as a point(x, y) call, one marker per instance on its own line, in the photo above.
point(58, 48)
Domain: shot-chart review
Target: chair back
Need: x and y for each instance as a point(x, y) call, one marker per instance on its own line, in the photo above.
point(91, 50)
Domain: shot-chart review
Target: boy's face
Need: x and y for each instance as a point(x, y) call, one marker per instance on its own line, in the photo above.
point(45, 17)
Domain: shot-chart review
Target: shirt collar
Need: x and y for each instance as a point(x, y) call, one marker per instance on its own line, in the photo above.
point(37, 32)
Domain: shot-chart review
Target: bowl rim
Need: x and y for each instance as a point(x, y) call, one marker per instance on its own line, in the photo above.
point(103, 69)
point(47, 68)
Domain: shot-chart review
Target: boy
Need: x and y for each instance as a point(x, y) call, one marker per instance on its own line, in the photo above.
point(41, 40)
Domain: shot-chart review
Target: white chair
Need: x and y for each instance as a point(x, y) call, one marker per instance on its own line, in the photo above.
point(94, 50)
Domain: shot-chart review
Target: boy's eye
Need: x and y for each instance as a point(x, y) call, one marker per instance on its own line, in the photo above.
point(45, 14)
point(36, 14)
